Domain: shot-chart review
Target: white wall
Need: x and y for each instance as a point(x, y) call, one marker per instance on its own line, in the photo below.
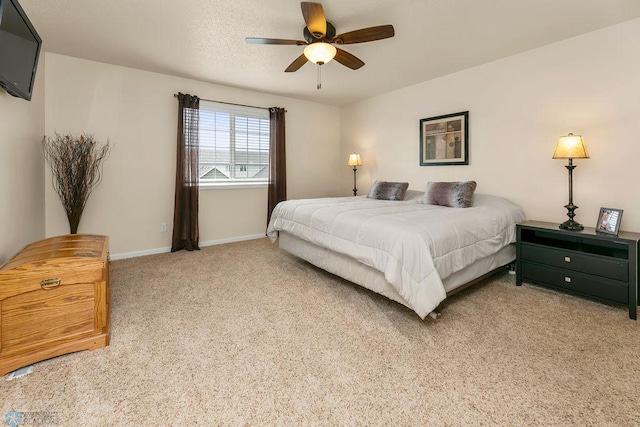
point(21, 169)
point(136, 111)
point(518, 107)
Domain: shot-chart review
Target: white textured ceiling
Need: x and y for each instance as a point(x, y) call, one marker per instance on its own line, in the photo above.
point(204, 39)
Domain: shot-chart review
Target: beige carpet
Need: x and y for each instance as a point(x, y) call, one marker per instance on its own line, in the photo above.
point(244, 334)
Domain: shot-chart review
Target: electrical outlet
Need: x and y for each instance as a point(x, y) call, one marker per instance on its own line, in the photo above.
point(163, 227)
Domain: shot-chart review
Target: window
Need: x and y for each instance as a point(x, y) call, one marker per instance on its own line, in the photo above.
point(234, 144)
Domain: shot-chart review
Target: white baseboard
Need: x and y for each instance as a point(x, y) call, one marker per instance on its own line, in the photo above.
point(233, 239)
point(115, 257)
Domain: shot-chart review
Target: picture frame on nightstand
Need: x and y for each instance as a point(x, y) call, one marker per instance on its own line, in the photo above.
point(609, 221)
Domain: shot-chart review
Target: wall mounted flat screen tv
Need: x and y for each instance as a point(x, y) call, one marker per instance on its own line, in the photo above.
point(19, 50)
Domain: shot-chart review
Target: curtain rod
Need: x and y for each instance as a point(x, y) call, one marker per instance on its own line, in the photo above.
point(175, 95)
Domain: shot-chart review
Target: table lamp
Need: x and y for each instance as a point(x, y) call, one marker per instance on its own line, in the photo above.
point(571, 147)
point(355, 161)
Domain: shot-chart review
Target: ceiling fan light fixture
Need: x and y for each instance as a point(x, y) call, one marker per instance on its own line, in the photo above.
point(320, 52)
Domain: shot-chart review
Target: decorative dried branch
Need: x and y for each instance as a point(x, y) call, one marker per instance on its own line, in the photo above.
point(76, 165)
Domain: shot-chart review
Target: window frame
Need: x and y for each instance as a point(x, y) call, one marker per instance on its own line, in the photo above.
point(244, 112)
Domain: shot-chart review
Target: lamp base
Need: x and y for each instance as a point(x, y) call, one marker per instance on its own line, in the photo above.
point(571, 225)
point(355, 189)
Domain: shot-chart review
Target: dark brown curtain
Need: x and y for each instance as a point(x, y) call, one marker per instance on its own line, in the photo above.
point(185, 213)
point(277, 160)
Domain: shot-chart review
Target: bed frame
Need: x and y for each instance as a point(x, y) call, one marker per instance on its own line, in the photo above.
point(372, 279)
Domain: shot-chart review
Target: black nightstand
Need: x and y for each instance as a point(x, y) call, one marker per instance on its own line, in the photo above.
point(586, 263)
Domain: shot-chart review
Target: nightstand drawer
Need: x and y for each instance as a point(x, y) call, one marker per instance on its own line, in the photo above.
point(613, 268)
point(585, 284)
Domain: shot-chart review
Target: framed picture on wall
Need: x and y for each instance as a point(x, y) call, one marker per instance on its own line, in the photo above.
point(444, 140)
point(609, 221)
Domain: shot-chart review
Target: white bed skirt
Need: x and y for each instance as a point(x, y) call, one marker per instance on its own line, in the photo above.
point(372, 279)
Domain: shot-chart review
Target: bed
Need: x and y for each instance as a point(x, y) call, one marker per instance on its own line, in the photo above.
point(410, 251)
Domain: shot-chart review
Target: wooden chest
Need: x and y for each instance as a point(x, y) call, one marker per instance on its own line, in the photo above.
point(54, 299)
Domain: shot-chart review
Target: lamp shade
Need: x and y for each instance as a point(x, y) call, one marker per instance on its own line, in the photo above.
point(320, 52)
point(571, 147)
point(354, 160)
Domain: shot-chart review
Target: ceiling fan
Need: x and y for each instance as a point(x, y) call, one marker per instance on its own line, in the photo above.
point(320, 37)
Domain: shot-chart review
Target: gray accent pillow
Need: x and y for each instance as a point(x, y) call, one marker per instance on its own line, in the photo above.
point(452, 194)
point(383, 190)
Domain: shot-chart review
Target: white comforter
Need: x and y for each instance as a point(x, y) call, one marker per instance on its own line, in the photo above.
point(415, 245)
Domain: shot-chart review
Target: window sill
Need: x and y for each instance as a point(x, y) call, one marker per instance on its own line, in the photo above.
point(231, 185)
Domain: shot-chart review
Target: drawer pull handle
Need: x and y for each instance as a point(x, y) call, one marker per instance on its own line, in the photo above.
point(567, 279)
point(50, 284)
point(567, 259)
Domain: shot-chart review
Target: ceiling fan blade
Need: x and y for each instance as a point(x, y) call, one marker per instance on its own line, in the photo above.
point(365, 35)
point(347, 59)
point(314, 18)
point(295, 65)
point(260, 40)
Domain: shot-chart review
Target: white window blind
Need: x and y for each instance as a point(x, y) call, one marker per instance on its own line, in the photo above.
point(234, 143)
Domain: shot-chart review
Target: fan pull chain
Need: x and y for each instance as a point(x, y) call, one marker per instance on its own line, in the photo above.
point(319, 75)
